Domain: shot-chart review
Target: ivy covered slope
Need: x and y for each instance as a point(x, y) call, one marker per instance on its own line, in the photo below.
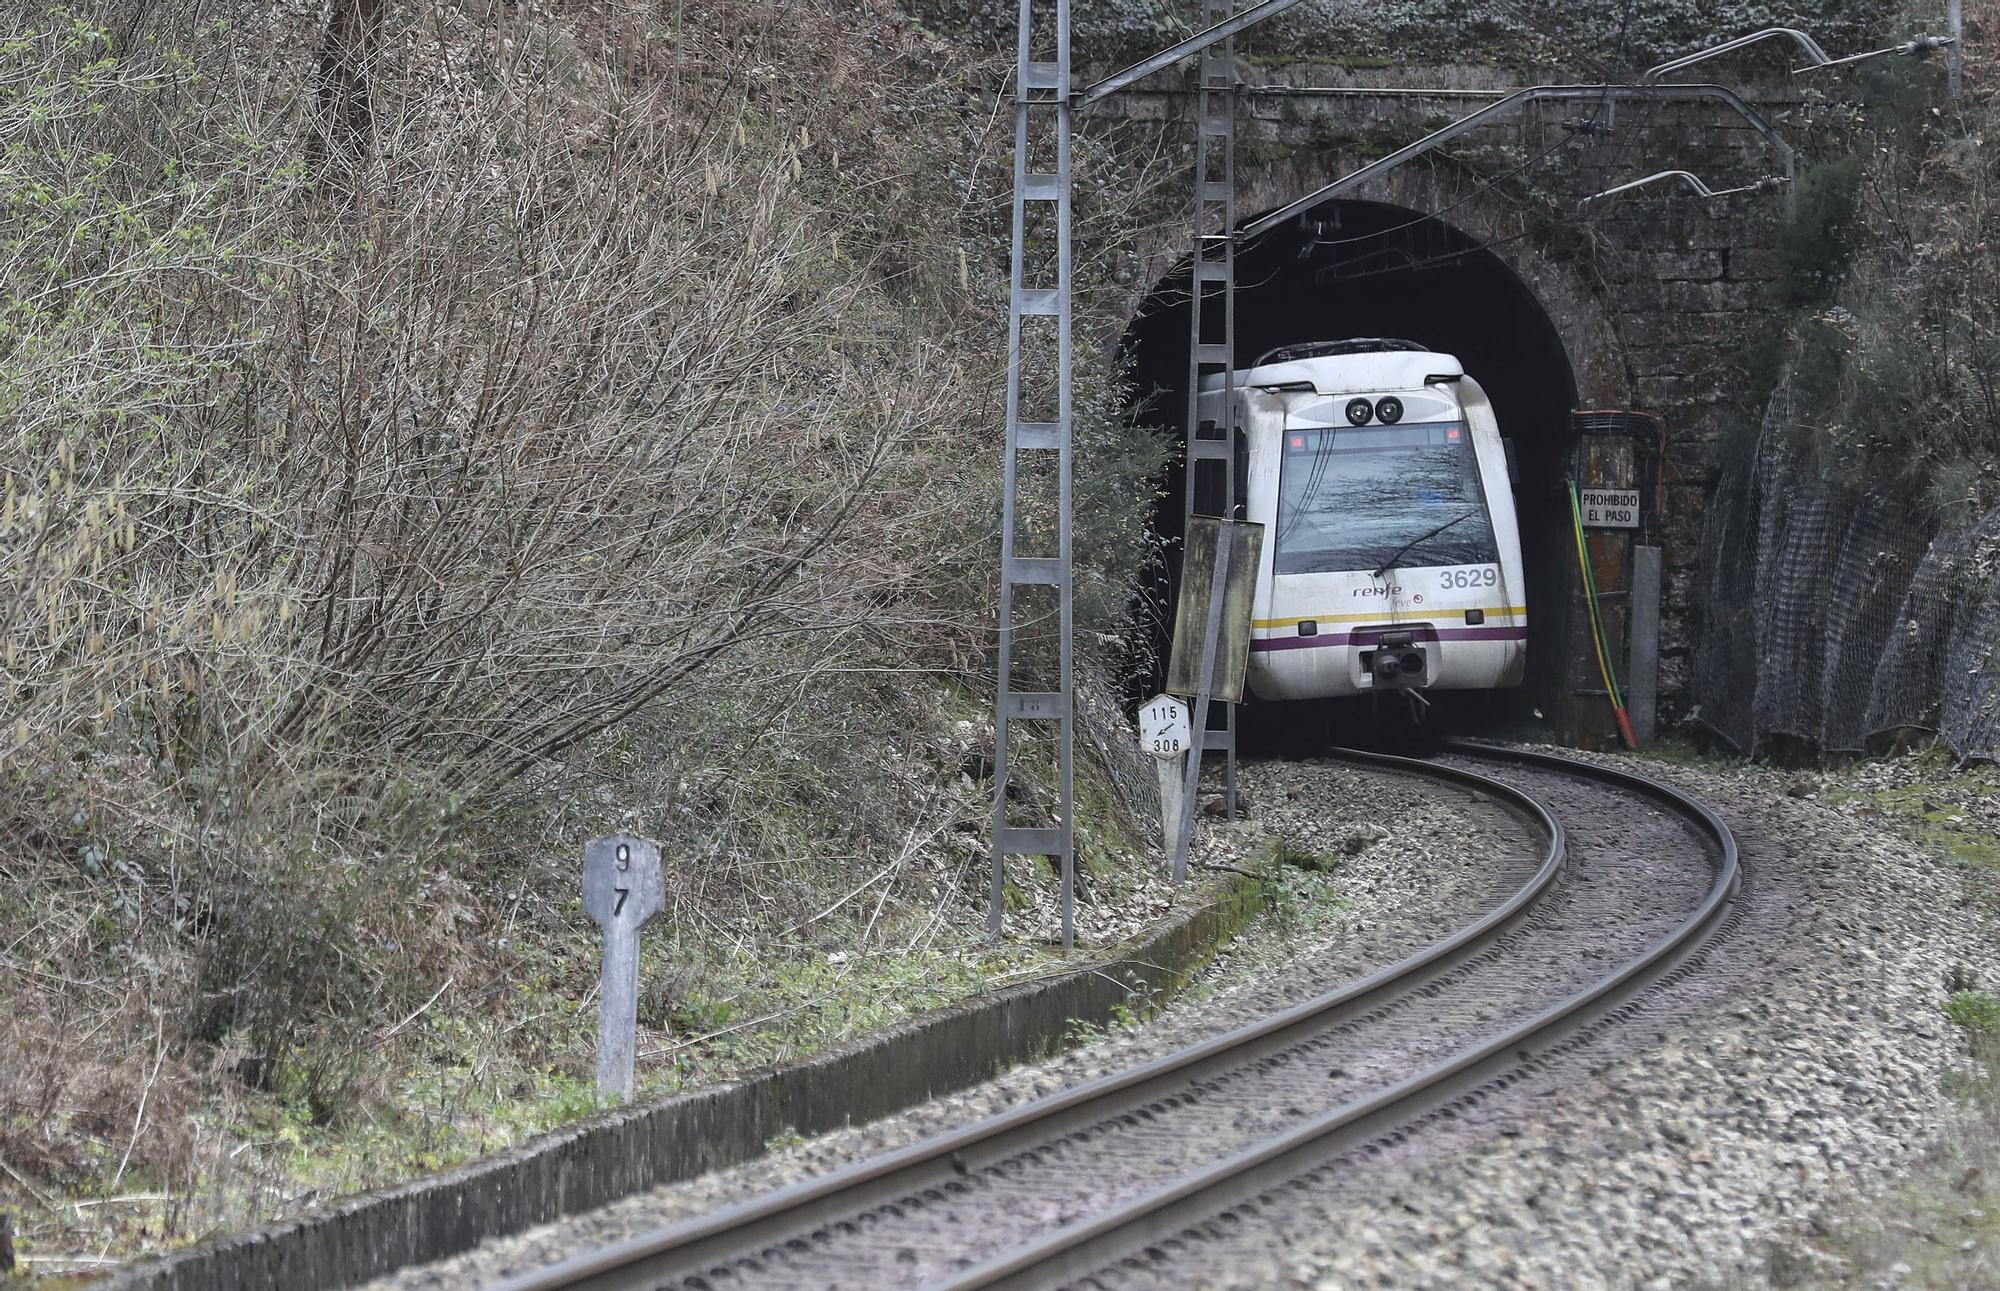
point(1849, 598)
point(435, 434)
point(1892, 357)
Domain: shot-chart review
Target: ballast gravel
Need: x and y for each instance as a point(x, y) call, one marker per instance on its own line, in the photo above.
point(1800, 1065)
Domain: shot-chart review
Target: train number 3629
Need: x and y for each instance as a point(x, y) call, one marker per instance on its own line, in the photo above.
point(1484, 576)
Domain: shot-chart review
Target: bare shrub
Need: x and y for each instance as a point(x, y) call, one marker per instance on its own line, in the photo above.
point(1894, 257)
point(88, 1088)
point(328, 516)
point(429, 442)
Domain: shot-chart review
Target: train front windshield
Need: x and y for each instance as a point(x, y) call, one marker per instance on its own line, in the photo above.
point(1367, 497)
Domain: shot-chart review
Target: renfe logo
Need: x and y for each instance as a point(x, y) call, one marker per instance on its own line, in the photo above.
point(1378, 591)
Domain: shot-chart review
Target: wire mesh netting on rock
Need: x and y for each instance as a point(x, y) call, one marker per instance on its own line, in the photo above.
point(1836, 616)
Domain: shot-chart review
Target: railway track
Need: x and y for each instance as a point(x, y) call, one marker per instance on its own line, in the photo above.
point(1115, 1181)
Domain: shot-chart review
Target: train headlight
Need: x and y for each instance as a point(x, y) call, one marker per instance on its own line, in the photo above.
point(1389, 411)
point(1360, 412)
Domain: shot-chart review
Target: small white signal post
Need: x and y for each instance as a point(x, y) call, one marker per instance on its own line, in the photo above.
point(1164, 732)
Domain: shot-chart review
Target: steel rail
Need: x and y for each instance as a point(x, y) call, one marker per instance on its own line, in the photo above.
point(1187, 1202)
point(747, 1229)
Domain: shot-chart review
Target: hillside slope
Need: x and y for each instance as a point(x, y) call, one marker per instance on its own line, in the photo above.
point(435, 434)
point(1849, 596)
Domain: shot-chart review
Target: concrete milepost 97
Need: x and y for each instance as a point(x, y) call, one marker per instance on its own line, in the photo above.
point(623, 887)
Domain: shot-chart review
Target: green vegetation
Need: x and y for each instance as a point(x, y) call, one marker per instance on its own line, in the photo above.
point(1891, 264)
point(1301, 888)
point(1938, 1225)
point(1976, 1011)
point(1817, 244)
point(1939, 1228)
point(1938, 806)
point(1140, 1003)
point(783, 1139)
point(1816, 247)
point(1285, 854)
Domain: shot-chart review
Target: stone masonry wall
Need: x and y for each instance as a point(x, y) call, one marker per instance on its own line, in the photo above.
point(1658, 295)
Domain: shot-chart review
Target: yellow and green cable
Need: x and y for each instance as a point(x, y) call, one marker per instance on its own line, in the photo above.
point(1597, 634)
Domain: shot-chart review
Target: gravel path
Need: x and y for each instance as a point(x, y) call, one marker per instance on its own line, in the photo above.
point(1801, 1067)
point(1635, 872)
point(1411, 862)
point(1801, 1062)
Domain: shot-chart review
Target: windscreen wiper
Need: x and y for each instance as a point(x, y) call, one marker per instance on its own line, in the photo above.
point(1404, 550)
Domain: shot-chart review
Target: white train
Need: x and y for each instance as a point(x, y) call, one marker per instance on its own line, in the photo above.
point(1392, 560)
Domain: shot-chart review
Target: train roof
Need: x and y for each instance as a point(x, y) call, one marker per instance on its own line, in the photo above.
point(1351, 373)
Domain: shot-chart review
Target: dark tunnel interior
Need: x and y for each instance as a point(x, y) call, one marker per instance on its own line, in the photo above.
point(1362, 269)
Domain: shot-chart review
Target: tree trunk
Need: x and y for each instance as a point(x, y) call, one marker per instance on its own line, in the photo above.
point(342, 121)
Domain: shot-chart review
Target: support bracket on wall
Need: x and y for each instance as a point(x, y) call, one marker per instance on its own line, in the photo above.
point(1513, 103)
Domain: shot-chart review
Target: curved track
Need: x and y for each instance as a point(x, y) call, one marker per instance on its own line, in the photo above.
point(1108, 1181)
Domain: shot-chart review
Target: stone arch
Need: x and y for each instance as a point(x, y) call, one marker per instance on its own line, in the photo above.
point(1462, 203)
point(1427, 254)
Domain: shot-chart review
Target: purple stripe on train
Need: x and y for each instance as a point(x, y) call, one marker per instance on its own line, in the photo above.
point(1374, 637)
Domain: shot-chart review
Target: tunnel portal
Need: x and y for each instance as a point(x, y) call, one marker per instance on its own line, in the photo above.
point(1359, 269)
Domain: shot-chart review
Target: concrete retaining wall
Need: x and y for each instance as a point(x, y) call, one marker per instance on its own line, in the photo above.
point(623, 1152)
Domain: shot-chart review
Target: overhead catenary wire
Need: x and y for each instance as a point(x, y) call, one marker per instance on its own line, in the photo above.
point(1449, 207)
point(1816, 58)
point(1428, 217)
point(1588, 126)
point(1585, 127)
point(1580, 129)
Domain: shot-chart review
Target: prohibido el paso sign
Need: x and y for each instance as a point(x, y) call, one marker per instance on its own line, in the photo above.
point(1610, 508)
